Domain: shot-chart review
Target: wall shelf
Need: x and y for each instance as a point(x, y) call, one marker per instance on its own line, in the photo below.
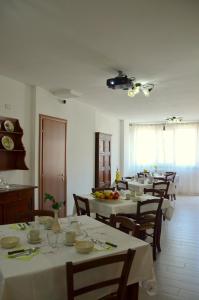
point(7, 132)
point(12, 159)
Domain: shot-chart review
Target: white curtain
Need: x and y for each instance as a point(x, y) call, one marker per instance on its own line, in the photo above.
point(174, 149)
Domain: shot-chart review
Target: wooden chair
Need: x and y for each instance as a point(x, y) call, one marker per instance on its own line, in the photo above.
point(140, 175)
point(120, 294)
point(162, 186)
point(143, 174)
point(102, 219)
point(82, 205)
point(170, 176)
point(128, 177)
point(29, 215)
point(149, 220)
point(154, 192)
point(101, 189)
point(122, 185)
point(160, 178)
point(125, 224)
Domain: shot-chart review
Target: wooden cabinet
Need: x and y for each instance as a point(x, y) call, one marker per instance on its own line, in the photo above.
point(102, 159)
point(15, 201)
point(12, 159)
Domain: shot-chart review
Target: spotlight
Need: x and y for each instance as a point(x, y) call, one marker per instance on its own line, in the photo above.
point(131, 93)
point(146, 92)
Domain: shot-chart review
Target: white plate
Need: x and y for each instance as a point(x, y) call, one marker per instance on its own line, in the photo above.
point(68, 244)
point(9, 126)
point(9, 242)
point(7, 142)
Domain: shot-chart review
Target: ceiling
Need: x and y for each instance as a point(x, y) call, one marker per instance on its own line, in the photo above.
point(79, 44)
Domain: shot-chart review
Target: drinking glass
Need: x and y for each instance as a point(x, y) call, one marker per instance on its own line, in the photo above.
point(52, 238)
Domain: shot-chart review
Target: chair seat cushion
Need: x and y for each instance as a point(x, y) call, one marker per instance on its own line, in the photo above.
point(146, 226)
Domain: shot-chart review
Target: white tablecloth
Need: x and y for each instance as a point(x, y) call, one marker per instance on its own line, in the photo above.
point(139, 187)
point(108, 207)
point(44, 278)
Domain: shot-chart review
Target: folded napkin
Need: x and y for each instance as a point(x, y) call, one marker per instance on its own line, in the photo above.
point(25, 257)
point(17, 226)
point(98, 247)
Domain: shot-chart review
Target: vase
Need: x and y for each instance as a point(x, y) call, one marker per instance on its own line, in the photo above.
point(56, 226)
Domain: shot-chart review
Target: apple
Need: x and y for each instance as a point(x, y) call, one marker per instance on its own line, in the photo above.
point(111, 196)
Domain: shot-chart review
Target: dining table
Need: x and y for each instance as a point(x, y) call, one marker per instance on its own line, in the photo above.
point(140, 184)
point(107, 207)
point(42, 276)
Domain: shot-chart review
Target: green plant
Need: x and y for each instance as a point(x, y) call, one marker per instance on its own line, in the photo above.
point(55, 204)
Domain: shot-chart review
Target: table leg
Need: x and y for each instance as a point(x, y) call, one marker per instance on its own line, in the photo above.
point(132, 291)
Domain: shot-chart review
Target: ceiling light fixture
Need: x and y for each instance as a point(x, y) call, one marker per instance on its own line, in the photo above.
point(122, 82)
point(174, 120)
point(137, 87)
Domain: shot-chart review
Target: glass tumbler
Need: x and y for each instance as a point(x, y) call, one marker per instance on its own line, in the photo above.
point(52, 238)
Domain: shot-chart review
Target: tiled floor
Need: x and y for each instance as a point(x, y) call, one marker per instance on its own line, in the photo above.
point(177, 266)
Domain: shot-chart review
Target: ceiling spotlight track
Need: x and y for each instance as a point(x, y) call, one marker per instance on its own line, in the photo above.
point(123, 82)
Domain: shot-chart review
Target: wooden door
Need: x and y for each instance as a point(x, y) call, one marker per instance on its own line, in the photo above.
point(102, 159)
point(53, 161)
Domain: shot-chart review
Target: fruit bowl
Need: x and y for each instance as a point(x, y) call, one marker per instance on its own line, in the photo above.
point(106, 195)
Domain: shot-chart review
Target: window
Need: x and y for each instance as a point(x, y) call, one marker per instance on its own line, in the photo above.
point(177, 145)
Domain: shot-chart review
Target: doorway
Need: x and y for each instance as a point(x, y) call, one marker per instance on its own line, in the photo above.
point(52, 162)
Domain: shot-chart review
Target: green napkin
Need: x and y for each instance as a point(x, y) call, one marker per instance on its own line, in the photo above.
point(24, 257)
point(16, 227)
point(102, 248)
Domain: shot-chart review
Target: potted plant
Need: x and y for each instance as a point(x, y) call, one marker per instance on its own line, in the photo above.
point(55, 206)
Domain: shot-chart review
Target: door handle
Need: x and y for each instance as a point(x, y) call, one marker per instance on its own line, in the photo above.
point(62, 177)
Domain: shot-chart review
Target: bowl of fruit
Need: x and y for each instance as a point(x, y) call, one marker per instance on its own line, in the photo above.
point(106, 195)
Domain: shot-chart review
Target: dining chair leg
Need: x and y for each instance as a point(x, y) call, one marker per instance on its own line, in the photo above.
point(159, 233)
point(154, 247)
point(132, 292)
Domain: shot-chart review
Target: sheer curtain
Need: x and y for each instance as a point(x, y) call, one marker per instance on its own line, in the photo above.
point(174, 149)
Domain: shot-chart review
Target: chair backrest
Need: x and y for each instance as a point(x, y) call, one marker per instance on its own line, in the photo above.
point(103, 219)
point(122, 185)
point(30, 214)
point(160, 178)
point(143, 174)
point(154, 192)
point(128, 177)
point(82, 205)
point(170, 176)
point(125, 224)
point(140, 174)
point(150, 207)
point(102, 189)
point(162, 186)
point(72, 269)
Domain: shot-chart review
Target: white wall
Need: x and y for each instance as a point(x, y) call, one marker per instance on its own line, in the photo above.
point(124, 148)
point(26, 103)
point(15, 102)
point(83, 121)
point(80, 140)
